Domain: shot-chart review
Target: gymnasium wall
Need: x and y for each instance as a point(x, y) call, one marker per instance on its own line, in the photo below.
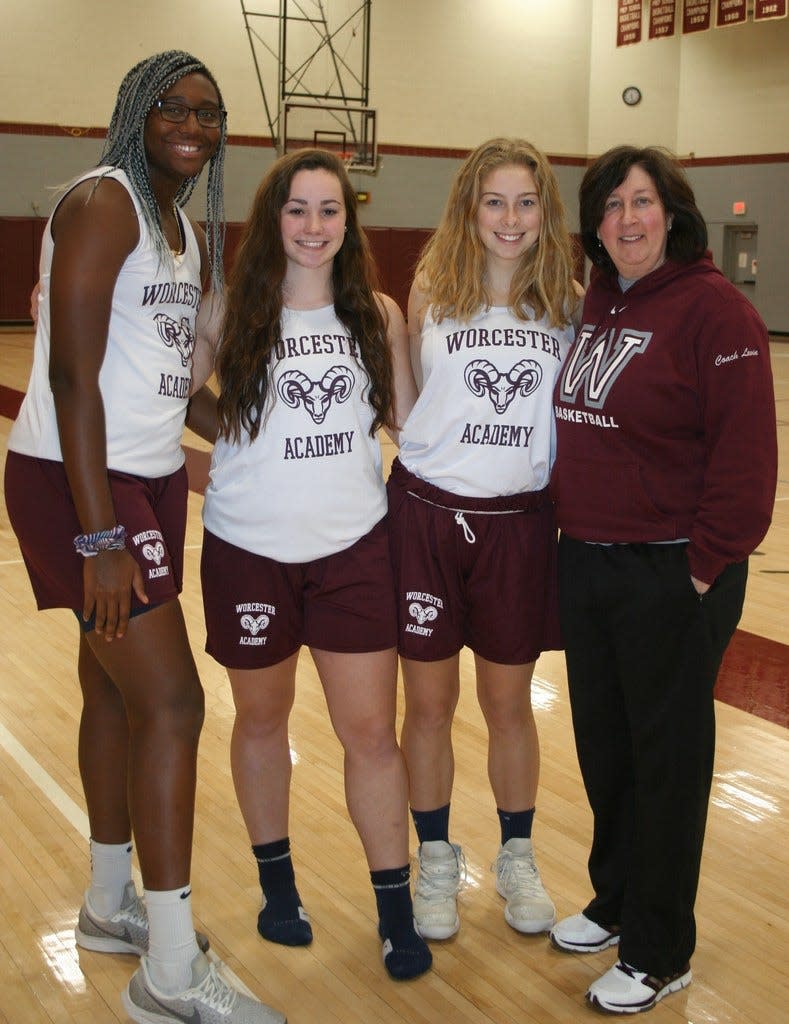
point(444, 74)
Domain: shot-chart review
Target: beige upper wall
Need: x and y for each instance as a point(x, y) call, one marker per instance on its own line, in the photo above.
point(454, 72)
point(443, 73)
point(717, 93)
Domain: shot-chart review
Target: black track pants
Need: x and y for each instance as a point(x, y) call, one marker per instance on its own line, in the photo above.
point(643, 652)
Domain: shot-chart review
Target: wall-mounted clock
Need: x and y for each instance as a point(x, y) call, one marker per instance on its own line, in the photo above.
point(631, 95)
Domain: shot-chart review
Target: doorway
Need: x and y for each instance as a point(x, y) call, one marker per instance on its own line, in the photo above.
point(741, 255)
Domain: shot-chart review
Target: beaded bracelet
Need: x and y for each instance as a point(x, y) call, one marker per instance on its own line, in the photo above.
point(90, 544)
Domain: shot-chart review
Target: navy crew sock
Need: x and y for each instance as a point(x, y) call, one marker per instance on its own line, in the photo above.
point(283, 918)
point(405, 953)
point(432, 826)
point(515, 824)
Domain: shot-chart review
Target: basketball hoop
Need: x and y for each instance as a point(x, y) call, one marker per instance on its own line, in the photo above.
point(355, 165)
point(347, 131)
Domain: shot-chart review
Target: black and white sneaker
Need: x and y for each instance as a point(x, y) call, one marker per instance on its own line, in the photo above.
point(624, 989)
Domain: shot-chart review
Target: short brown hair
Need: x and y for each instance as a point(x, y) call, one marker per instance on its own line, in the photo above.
point(687, 240)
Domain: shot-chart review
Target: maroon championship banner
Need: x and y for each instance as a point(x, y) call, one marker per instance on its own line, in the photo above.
point(628, 22)
point(763, 10)
point(731, 12)
point(696, 16)
point(662, 14)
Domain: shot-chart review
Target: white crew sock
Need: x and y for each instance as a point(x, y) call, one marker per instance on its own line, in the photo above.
point(172, 945)
point(110, 870)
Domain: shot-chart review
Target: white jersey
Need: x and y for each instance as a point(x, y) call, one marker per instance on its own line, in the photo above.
point(483, 423)
point(146, 374)
point(311, 482)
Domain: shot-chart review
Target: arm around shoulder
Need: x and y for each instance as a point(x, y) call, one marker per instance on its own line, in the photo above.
point(417, 308)
point(208, 331)
point(403, 386)
point(578, 309)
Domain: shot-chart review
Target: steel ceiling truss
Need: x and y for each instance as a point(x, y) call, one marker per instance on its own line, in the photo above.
point(310, 50)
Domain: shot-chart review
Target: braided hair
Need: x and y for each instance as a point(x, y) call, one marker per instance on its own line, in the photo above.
point(125, 149)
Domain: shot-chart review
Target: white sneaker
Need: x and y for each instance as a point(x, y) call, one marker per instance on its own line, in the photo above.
point(435, 892)
point(577, 934)
point(623, 989)
point(209, 1000)
point(529, 908)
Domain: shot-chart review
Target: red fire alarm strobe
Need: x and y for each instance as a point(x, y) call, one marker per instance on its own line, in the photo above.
point(738, 209)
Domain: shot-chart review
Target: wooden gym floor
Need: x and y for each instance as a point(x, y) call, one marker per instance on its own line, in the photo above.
point(488, 973)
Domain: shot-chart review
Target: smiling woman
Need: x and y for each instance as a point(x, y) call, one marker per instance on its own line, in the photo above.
point(312, 361)
point(664, 485)
point(635, 226)
point(182, 130)
point(508, 219)
point(312, 220)
point(96, 492)
point(472, 526)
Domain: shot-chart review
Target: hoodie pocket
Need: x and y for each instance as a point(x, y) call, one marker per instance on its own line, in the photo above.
point(606, 501)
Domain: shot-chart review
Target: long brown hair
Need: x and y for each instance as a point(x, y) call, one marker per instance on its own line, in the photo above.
point(451, 269)
point(254, 301)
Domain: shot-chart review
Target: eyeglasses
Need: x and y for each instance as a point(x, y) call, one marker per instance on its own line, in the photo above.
point(177, 113)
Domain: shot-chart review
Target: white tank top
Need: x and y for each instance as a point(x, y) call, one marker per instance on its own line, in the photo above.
point(146, 374)
point(311, 482)
point(483, 423)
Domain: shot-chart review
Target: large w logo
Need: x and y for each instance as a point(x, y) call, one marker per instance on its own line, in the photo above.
point(598, 363)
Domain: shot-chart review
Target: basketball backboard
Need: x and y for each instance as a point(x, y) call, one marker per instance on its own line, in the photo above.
point(347, 131)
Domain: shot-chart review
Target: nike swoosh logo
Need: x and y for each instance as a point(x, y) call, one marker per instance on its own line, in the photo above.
point(186, 894)
point(192, 1018)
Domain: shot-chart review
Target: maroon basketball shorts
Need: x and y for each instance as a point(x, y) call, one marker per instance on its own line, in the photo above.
point(474, 572)
point(45, 521)
point(259, 611)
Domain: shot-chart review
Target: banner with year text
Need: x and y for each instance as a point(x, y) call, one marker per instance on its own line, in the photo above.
point(731, 12)
point(764, 10)
point(662, 15)
point(696, 16)
point(628, 22)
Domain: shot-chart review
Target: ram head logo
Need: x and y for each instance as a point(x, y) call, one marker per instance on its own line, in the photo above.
point(482, 378)
point(254, 624)
point(422, 614)
point(176, 335)
point(295, 388)
point(154, 552)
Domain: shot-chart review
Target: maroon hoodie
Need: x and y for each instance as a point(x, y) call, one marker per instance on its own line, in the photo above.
point(665, 418)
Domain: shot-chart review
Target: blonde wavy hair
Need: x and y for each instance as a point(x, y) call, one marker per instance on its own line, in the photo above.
point(451, 268)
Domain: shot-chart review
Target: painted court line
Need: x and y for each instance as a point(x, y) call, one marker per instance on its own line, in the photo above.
point(76, 817)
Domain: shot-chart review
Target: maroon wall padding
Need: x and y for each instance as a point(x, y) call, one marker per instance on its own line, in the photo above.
point(20, 244)
point(396, 251)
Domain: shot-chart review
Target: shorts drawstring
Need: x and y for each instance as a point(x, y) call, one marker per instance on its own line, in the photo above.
point(468, 533)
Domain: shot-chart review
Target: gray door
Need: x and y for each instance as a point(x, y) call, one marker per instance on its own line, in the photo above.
point(741, 255)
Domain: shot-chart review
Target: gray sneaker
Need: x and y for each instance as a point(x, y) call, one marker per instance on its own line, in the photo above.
point(125, 932)
point(209, 1000)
